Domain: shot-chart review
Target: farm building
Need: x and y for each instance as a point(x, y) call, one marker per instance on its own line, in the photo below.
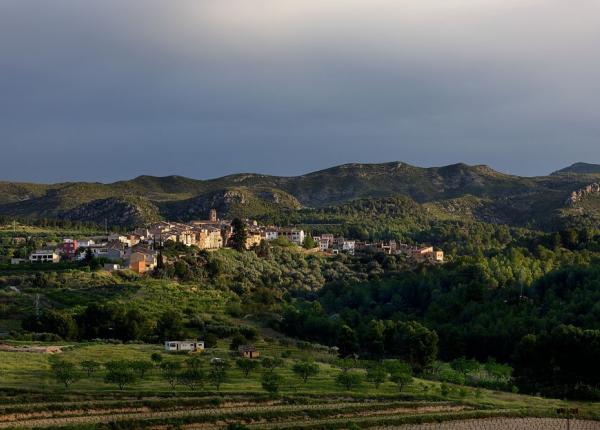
point(184, 345)
point(248, 351)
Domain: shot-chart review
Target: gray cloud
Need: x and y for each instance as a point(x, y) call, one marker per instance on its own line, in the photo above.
point(103, 90)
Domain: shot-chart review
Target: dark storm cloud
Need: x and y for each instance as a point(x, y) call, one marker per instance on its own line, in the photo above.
point(101, 90)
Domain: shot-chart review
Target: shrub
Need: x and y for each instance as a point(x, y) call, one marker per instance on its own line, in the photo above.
point(444, 390)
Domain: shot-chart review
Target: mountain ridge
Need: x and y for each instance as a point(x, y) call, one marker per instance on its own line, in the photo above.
point(579, 168)
point(539, 201)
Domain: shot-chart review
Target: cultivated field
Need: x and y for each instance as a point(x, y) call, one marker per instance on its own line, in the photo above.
point(503, 424)
point(30, 397)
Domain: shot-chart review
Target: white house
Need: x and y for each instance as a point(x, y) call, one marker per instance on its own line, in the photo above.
point(324, 243)
point(184, 345)
point(293, 235)
point(44, 256)
point(348, 246)
point(271, 234)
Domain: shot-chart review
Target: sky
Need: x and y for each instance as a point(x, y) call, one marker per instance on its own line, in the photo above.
point(102, 90)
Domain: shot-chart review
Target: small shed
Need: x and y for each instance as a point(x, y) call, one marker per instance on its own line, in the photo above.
point(184, 345)
point(248, 351)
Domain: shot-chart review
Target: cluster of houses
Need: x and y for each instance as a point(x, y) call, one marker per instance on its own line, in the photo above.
point(135, 255)
point(328, 243)
point(137, 250)
point(418, 254)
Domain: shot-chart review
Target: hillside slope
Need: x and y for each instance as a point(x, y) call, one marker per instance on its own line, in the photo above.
point(580, 168)
point(477, 191)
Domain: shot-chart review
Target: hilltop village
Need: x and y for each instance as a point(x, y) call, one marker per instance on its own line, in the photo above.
point(138, 250)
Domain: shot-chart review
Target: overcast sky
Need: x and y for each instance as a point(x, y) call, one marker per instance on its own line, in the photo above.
point(110, 89)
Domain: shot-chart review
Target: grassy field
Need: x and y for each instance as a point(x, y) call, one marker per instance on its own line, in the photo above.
point(31, 398)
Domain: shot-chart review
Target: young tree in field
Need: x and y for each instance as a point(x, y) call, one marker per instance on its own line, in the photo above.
point(464, 366)
point(271, 382)
point(239, 236)
point(218, 373)
point(377, 375)
point(305, 369)
point(89, 366)
point(141, 367)
point(400, 373)
point(170, 372)
point(247, 365)
point(120, 373)
point(193, 378)
point(349, 380)
point(64, 372)
point(401, 379)
point(271, 363)
point(345, 364)
point(194, 363)
point(156, 357)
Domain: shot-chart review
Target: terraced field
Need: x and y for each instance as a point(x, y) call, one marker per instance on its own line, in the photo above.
point(503, 424)
point(30, 397)
point(211, 411)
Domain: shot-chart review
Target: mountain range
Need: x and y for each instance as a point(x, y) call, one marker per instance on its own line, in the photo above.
point(566, 198)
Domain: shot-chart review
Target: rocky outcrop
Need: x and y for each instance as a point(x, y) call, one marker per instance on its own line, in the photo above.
point(115, 211)
point(231, 202)
point(578, 195)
